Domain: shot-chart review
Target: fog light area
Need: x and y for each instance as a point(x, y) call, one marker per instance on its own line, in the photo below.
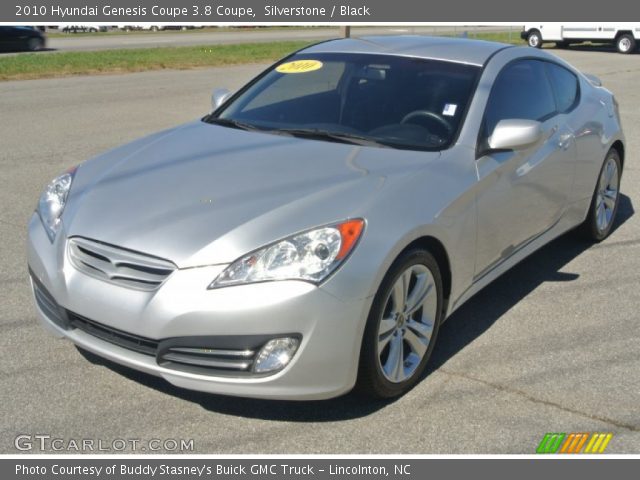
point(276, 354)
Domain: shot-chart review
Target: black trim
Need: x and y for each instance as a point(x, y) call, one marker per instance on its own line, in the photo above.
point(114, 336)
point(193, 362)
point(578, 97)
point(47, 304)
point(474, 91)
point(167, 359)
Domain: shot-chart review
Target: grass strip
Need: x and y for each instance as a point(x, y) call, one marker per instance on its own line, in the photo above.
point(60, 64)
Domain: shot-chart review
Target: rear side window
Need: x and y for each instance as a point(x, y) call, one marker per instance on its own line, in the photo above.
point(565, 87)
point(521, 91)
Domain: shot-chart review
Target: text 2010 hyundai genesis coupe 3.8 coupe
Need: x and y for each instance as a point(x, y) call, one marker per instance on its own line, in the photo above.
point(314, 230)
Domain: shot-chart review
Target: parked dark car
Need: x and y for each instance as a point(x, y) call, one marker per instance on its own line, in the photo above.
point(21, 38)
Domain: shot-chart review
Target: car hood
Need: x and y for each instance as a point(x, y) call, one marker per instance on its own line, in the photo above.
point(203, 194)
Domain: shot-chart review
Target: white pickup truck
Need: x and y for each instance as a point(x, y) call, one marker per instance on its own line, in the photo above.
point(625, 36)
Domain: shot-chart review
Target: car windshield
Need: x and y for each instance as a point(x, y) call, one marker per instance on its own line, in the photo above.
point(379, 100)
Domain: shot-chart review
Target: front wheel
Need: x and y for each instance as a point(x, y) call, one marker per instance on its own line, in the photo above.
point(34, 44)
point(625, 43)
point(402, 326)
point(534, 39)
point(604, 204)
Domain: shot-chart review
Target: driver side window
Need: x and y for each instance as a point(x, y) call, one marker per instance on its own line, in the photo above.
point(521, 91)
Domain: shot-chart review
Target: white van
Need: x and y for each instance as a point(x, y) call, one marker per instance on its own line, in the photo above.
point(625, 36)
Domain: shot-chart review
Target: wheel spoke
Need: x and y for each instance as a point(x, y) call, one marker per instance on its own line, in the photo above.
point(612, 171)
point(386, 326)
point(416, 343)
point(599, 200)
point(602, 184)
point(611, 192)
point(421, 328)
point(609, 202)
point(385, 333)
point(394, 367)
point(419, 293)
point(383, 341)
point(399, 293)
point(601, 218)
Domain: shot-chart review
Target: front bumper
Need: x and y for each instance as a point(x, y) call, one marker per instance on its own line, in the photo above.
point(330, 329)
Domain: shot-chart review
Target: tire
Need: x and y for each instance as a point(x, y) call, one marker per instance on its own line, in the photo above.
point(625, 43)
point(391, 335)
point(534, 39)
point(602, 212)
point(34, 44)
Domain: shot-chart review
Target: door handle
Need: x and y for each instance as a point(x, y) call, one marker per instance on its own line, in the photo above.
point(565, 142)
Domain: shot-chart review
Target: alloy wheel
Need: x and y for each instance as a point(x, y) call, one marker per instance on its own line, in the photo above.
point(407, 323)
point(607, 195)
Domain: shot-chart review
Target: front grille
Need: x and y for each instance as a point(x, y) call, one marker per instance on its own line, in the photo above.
point(117, 265)
point(114, 336)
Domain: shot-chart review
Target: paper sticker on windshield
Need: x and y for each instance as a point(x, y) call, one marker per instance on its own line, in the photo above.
point(450, 109)
point(299, 66)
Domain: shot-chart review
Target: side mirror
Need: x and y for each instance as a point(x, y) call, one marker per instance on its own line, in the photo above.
point(515, 134)
point(219, 96)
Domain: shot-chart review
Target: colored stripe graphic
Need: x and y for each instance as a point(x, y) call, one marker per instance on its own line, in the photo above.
point(550, 443)
point(574, 443)
point(598, 443)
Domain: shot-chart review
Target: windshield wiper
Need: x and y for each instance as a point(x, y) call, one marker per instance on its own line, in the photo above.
point(228, 122)
point(316, 133)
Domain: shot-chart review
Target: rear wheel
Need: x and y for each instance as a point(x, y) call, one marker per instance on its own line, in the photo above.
point(604, 204)
point(625, 43)
point(534, 39)
point(402, 326)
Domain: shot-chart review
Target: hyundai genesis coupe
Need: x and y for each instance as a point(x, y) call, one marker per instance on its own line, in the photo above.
point(314, 230)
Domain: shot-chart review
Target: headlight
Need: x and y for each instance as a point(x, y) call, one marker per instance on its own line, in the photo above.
point(309, 256)
point(53, 200)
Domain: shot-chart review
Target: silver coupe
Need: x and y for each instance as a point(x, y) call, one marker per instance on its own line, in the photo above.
point(315, 229)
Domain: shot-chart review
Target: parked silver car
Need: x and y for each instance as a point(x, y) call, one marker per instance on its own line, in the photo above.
point(314, 230)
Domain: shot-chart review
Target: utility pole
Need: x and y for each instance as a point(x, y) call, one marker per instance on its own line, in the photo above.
point(345, 31)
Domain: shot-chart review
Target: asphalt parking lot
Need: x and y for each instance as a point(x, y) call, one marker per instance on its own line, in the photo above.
point(552, 346)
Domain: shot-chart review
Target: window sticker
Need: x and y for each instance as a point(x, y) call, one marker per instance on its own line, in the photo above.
point(450, 109)
point(299, 66)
